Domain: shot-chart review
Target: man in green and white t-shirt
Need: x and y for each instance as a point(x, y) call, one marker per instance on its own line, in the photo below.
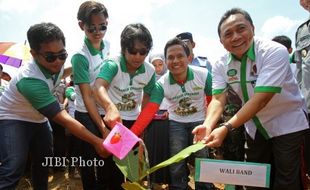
point(27, 104)
point(127, 79)
point(185, 89)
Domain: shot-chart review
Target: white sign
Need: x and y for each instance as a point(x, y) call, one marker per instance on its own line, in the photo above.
point(232, 172)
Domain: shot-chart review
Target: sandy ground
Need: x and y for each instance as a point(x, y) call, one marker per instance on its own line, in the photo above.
point(61, 180)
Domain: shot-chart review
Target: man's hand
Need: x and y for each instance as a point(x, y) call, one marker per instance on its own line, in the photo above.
point(101, 150)
point(216, 138)
point(112, 116)
point(201, 132)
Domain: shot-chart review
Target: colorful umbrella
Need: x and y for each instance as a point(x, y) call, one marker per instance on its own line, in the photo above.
point(13, 55)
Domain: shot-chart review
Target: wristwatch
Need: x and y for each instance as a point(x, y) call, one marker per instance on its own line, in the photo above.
point(228, 126)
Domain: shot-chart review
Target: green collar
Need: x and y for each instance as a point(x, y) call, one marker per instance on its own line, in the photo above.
point(124, 69)
point(189, 76)
point(250, 54)
point(91, 48)
point(46, 72)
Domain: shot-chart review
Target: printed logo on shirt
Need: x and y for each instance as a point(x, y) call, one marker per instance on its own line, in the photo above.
point(253, 69)
point(128, 103)
point(231, 72)
point(304, 53)
point(185, 107)
point(232, 75)
point(197, 88)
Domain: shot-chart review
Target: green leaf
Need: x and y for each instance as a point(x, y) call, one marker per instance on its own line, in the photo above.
point(133, 165)
point(176, 158)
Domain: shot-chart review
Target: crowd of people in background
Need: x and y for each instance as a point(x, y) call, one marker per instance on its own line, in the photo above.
point(252, 105)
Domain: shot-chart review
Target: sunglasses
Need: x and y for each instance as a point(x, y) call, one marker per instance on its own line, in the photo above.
point(142, 52)
point(93, 29)
point(50, 57)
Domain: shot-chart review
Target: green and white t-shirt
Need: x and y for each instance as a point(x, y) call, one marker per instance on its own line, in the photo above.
point(186, 102)
point(31, 89)
point(86, 64)
point(126, 90)
point(264, 68)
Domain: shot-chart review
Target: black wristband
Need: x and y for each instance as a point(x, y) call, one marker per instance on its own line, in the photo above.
point(228, 126)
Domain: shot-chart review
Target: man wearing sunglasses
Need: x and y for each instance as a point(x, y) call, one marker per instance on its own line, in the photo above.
point(28, 103)
point(86, 63)
point(128, 79)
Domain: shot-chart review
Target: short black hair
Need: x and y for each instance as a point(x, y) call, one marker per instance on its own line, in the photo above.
point(133, 32)
point(176, 41)
point(44, 33)
point(284, 40)
point(89, 8)
point(230, 12)
point(1, 68)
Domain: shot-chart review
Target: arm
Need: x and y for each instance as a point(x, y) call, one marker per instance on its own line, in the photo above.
point(76, 128)
point(149, 110)
point(107, 73)
point(144, 118)
point(100, 92)
point(91, 107)
point(248, 111)
point(42, 100)
point(213, 114)
point(147, 90)
point(145, 100)
point(80, 66)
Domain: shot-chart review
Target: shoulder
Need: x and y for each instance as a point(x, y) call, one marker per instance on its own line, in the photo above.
point(163, 79)
point(31, 85)
point(222, 61)
point(303, 24)
point(81, 50)
point(198, 70)
point(149, 67)
point(265, 47)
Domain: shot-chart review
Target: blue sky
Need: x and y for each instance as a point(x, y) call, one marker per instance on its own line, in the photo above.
point(164, 18)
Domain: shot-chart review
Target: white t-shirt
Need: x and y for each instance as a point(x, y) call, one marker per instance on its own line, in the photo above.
point(266, 69)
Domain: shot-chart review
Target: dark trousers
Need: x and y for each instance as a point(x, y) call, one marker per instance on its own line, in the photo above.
point(307, 148)
point(284, 155)
point(103, 177)
point(60, 140)
point(17, 139)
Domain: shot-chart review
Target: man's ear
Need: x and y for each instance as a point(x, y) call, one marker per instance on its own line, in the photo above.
point(290, 50)
point(193, 44)
point(33, 53)
point(221, 40)
point(253, 28)
point(81, 25)
point(190, 57)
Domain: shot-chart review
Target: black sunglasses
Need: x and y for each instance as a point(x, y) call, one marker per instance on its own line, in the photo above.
point(93, 29)
point(50, 57)
point(133, 51)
